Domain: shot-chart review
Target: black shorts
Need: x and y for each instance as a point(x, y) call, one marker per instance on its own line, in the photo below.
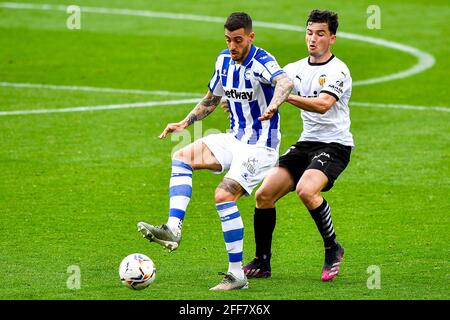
point(330, 158)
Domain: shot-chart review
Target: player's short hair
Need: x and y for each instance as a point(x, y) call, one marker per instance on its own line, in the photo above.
point(238, 20)
point(324, 16)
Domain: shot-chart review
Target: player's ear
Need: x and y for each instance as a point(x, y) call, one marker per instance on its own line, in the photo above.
point(333, 38)
point(252, 36)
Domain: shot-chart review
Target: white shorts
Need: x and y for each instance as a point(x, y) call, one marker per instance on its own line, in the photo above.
point(246, 164)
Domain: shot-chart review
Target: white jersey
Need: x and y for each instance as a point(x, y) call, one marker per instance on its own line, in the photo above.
point(248, 89)
point(331, 77)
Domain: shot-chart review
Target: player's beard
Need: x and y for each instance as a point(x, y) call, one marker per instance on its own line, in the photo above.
point(241, 57)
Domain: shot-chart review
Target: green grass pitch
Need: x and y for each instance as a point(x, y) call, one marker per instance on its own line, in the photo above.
point(73, 185)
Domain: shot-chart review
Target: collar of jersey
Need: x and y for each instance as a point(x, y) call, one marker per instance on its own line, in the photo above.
point(249, 57)
point(320, 63)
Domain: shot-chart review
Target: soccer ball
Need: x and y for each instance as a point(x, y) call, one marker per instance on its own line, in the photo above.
point(137, 271)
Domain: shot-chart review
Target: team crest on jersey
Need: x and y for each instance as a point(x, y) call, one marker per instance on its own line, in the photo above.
point(247, 74)
point(322, 79)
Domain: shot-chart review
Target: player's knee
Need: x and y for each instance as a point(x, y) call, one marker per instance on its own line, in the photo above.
point(306, 194)
point(223, 196)
point(181, 156)
point(178, 155)
point(264, 198)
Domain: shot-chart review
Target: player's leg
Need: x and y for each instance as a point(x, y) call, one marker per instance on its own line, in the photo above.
point(248, 168)
point(226, 196)
point(277, 184)
point(192, 157)
point(195, 156)
point(308, 189)
point(325, 167)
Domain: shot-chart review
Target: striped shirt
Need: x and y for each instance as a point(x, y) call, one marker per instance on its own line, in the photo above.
point(248, 89)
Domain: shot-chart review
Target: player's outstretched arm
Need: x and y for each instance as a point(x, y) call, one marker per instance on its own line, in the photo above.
point(321, 104)
point(283, 87)
point(201, 110)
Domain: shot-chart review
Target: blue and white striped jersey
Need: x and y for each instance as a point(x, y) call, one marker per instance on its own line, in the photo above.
point(248, 89)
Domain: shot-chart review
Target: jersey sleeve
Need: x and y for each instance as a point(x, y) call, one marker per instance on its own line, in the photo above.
point(289, 69)
point(291, 72)
point(338, 83)
point(215, 85)
point(270, 67)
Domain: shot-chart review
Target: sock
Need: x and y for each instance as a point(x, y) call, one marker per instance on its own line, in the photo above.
point(180, 194)
point(322, 218)
point(264, 221)
point(233, 233)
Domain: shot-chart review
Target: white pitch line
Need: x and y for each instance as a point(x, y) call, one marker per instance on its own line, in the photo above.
point(425, 60)
point(104, 107)
point(399, 106)
point(188, 101)
point(97, 89)
point(156, 103)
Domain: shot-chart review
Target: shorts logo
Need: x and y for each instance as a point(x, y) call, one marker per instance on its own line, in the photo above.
point(324, 154)
point(250, 165)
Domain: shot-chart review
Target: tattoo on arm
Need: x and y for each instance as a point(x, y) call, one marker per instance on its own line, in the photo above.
point(207, 105)
point(282, 89)
point(231, 186)
point(210, 101)
point(191, 118)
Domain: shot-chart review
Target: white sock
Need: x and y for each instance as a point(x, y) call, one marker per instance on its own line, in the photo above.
point(175, 224)
point(236, 269)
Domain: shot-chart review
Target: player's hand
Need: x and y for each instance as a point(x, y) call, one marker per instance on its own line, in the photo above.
point(172, 127)
point(268, 114)
point(224, 106)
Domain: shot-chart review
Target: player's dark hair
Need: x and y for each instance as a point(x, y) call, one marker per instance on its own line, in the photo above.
point(324, 16)
point(238, 20)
